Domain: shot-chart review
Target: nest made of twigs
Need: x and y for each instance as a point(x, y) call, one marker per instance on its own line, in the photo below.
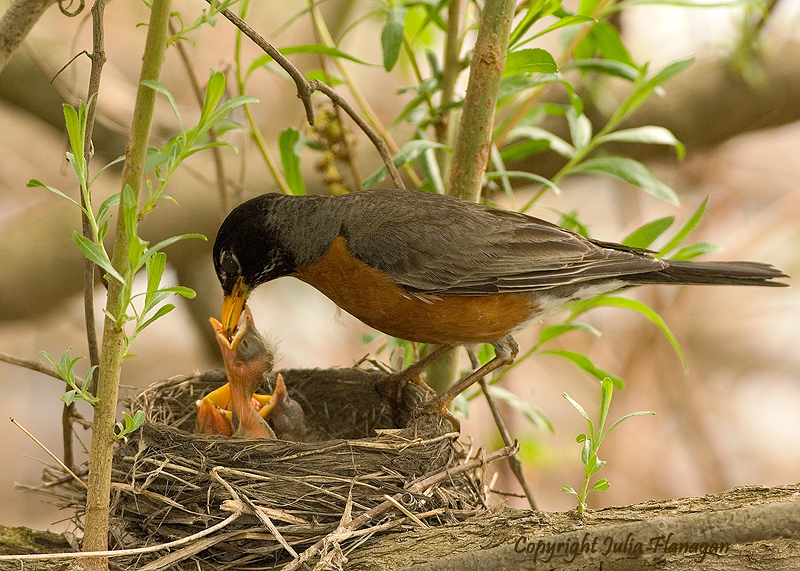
point(277, 498)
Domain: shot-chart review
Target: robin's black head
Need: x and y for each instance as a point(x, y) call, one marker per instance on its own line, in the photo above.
point(249, 250)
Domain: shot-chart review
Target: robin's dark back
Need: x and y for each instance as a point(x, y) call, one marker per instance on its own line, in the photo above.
point(435, 244)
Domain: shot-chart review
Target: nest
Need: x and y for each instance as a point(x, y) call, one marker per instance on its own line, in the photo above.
point(368, 467)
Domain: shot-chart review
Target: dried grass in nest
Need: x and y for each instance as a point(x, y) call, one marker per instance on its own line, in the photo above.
point(365, 461)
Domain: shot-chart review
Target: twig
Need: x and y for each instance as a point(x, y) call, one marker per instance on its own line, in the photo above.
point(216, 153)
point(316, 18)
point(513, 461)
point(53, 456)
point(403, 509)
point(306, 88)
point(37, 366)
point(417, 487)
point(262, 516)
point(125, 552)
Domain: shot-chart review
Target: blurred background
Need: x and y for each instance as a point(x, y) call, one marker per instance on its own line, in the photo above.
point(730, 419)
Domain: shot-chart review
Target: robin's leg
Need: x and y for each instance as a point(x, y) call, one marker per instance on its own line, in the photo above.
point(505, 351)
point(412, 372)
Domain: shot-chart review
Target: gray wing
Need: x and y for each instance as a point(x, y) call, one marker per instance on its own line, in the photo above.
point(473, 250)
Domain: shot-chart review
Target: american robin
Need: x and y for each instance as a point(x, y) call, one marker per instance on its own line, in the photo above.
point(437, 269)
point(248, 359)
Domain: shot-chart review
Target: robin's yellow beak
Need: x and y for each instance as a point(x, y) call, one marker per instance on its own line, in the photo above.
point(232, 306)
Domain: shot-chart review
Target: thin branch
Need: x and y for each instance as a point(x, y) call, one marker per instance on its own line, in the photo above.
point(316, 17)
point(100, 457)
point(125, 552)
point(306, 88)
point(47, 450)
point(37, 366)
point(225, 198)
point(513, 461)
point(418, 486)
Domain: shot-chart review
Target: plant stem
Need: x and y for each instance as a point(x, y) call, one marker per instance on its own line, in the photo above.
point(474, 140)
point(100, 456)
point(451, 68)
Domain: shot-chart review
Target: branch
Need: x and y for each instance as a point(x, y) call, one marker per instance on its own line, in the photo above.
point(417, 487)
point(37, 366)
point(100, 457)
point(711, 531)
point(305, 89)
point(474, 140)
point(16, 23)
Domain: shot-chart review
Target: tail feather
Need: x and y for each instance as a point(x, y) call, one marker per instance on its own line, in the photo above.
point(716, 273)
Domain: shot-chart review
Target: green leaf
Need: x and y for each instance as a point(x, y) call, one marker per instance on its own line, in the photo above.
point(535, 11)
point(579, 408)
point(160, 312)
point(606, 66)
point(94, 253)
point(600, 485)
point(215, 89)
point(531, 60)
point(159, 88)
point(76, 130)
point(219, 113)
point(552, 331)
point(106, 205)
point(604, 39)
point(685, 230)
point(643, 88)
point(569, 490)
point(392, 35)
point(523, 149)
point(433, 175)
point(533, 414)
point(151, 251)
point(155, 265)
point(557, 144)
point(35, 183)
point(645, 235)
point(132, 423)
point(586, 454)
point(526, 176)
point(650, 134)
point(630, 171)
point(584, 363)
point(579, 307)
point(580, 129)
point(321, 50)
point(407, 153)
point(571, 20)
point(629, 415)
point(606, 392)
point(695, 250)
point(290, 145)
point(70, 397)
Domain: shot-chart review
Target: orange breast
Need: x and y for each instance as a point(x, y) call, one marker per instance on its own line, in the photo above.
point(372, 297)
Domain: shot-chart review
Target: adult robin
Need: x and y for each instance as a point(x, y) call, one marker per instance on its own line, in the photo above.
point(234, 409)
point(437, 269)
